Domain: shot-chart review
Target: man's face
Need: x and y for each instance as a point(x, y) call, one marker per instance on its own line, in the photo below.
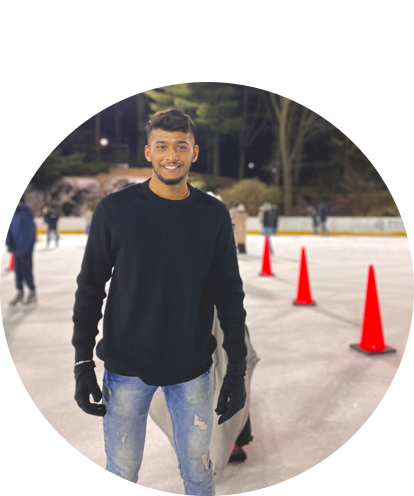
point(171, 154)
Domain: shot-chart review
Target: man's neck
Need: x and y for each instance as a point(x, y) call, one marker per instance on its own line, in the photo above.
point(169, 191)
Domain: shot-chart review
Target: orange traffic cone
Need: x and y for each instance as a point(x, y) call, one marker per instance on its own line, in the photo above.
point(372, 340)
point(266, 267)
point(303, 296)
point(11, 262)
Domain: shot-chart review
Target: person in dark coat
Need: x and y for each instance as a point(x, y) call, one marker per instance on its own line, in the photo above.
point(274, 215)
point(20, 241)
point(323, 216)
point(313, 213)
point(51, 218)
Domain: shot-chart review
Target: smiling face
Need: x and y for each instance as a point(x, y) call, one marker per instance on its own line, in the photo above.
point(171, 154)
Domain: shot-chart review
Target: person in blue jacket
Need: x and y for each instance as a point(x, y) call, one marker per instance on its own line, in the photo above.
point(20, 241)
point(323, 216)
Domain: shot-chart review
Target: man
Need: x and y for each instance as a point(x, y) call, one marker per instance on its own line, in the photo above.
point(170, 251)
point(323, 216)
point(51, 218)
point(20, 241)
point(313, 213)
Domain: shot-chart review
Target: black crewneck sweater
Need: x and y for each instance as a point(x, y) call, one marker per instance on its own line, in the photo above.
point(172, 261)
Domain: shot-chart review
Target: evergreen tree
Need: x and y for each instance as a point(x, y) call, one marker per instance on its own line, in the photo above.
point(214, 107)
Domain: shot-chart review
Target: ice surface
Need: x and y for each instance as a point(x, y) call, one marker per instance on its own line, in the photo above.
point(327, 421)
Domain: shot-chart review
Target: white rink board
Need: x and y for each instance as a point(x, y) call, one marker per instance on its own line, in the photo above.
point(291, 225)
point(340, 225)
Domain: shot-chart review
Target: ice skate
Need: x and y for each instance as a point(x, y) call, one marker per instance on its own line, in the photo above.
point(237, 455)
point(17, 299)
point(31, 299)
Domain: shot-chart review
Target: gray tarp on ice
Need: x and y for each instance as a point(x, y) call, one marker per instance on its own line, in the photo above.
point(223, 436)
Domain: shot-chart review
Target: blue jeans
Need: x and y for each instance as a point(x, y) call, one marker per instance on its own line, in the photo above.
point(190, 405)
point(49, 235)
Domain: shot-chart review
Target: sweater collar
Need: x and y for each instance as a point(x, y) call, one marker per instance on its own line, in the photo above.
point(165, 201)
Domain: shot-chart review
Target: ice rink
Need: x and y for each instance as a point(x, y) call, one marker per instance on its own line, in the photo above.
point(310, 391)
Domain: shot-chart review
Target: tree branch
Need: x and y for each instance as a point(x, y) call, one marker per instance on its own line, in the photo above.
point(271, 115)
point(259, 129)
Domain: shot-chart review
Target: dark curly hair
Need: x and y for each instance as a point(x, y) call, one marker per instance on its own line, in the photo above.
point(171, 120)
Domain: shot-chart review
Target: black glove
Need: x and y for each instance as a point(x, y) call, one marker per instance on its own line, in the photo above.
point(232, 396)
point(87, 384)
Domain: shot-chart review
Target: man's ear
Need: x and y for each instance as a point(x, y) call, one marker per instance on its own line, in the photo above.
point(147, 153)
point(195, 153)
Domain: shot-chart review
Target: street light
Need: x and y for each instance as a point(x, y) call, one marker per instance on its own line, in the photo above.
point(250, 165)
point(104, 142)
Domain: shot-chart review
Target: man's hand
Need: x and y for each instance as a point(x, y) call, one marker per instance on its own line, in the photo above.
point(87, 384)
point(232, 397)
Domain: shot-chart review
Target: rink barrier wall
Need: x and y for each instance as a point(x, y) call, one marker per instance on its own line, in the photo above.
point(341, 226)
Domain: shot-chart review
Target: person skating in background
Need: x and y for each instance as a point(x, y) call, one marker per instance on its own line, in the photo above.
point(268, 223)
point(312, 212)
point(260, 216)
point(228, 439)
point(51, 218)
point(239, 221)
point(87, 215)
point(20, 241)
point(233, 211)
point(323, 216)
point(274, 216)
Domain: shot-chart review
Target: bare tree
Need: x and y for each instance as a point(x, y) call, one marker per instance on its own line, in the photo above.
point(294, 125)
point(253, 122)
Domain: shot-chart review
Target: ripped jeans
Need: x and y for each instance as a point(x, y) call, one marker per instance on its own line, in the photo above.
point(190, 405)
